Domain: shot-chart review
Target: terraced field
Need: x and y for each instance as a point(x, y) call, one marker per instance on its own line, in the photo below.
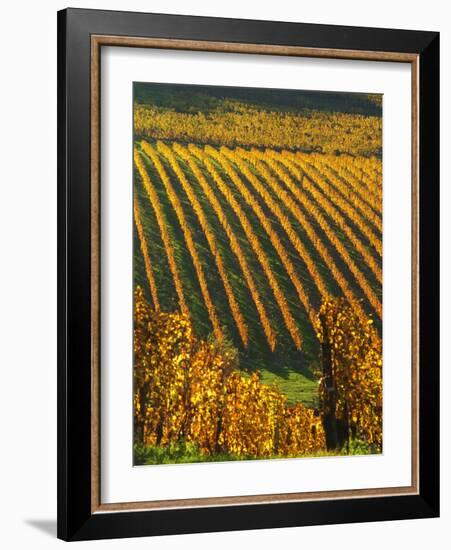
point(248, 242)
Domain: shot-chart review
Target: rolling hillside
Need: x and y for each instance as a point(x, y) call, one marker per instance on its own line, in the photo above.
point(247, 243)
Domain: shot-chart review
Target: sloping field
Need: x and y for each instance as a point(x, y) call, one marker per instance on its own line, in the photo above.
point(248, 242)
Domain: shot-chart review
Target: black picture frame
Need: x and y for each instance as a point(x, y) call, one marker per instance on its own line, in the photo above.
point(76, 520)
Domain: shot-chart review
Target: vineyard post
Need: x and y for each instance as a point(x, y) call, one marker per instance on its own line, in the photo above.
point(336, 430)
point(332, 427)
point(217, 446)
point(329, 395)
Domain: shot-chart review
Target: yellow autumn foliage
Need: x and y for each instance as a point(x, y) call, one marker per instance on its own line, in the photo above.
point(318, 131)
point(356, 364)
point(189, 389)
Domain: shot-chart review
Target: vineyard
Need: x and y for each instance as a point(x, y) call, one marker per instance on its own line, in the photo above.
point(251, 126)
point(248, 243)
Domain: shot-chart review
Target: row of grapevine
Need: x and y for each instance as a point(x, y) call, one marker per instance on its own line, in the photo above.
point(279, 188)
point(197, 207)
point(361, 194)
point(294, 164)
point(145, 253)
point(352, 168)
point(339, 247)
point(163, 226)
point(345, 190)
point(330, 211)
point(275, 241)
point(290, 231)
point(301, 216)
point(370, 165)
point(368, 193)
point(320, 194)
point(175, 201)
point(233, 240)
point(335, 215)
point(241, 124)
point(366, 170)
point(256, 245)
point(266, 224)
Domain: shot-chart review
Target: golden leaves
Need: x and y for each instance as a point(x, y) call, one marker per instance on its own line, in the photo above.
point(234, 242)
point(280, 163)
point(241, 124)
point(145, 253)
point(356, 357)
point(189, 239)
point(211, 239)
point(340, 193)
point(188, 389)
point(163, 226)
point(255, 243)
point(316, 203)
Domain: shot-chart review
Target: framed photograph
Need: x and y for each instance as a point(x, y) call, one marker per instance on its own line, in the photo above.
point(248, 274)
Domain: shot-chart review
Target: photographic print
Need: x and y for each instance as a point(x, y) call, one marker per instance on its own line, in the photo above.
point(263, 232)
point(257, 273)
